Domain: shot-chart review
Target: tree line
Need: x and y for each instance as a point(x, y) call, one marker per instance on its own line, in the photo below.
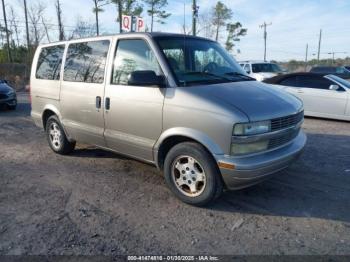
point(23, 30)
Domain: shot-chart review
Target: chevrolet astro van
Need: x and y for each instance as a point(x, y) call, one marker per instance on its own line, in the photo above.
point(179, 102)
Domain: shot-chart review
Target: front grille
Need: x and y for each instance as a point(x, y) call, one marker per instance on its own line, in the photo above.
point(3, 96)
point(286, 121)
point(281, 140)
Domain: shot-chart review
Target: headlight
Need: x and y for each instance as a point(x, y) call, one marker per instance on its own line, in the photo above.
point(10, 93)
point(248, 148)
point(254, 128)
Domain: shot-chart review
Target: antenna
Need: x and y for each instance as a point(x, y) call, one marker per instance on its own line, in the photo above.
point(184, 18)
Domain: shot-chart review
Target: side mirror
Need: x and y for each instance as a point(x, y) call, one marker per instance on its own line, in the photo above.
point(146, 78)
point(334, 87)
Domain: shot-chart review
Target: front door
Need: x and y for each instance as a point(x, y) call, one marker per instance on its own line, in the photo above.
point(82, 90)
point(133, 114)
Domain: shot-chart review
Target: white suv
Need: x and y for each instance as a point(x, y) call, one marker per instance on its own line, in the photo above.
point(261, 70)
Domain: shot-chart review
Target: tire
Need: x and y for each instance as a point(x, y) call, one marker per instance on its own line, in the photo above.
point(57, 138)
point(192, 174)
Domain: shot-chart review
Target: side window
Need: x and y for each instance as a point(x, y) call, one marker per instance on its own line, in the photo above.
point(313, 82)
point(49, 63)
point(86, 62)
point(340, 70)
point(176, 59)
point(133, 55)
point(290, 81)
point(247, 68)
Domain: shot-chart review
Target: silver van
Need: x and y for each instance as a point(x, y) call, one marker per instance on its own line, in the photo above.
point(178, 102)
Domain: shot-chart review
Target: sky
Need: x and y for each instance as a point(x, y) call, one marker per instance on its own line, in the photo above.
point(294, 24)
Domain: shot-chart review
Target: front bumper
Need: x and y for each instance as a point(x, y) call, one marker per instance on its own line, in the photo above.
point(250, 170)
point(12, 101)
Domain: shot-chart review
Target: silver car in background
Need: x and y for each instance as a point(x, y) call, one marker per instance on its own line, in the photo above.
point(325, 96)
point(261, 70)
point(178, 102)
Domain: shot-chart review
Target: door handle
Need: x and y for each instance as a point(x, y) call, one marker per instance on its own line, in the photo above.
point(107, 103)
point(98, 102)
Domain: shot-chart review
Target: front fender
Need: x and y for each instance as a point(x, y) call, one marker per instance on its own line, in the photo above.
point(193, 134)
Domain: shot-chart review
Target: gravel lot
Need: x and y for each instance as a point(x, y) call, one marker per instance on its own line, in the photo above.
point(97, 203)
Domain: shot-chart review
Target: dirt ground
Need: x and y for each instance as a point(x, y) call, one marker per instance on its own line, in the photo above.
point(97, 203)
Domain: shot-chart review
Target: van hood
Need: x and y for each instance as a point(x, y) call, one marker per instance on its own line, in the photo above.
point(259, 101)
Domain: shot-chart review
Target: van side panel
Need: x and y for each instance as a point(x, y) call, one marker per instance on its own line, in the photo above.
point(45, 93)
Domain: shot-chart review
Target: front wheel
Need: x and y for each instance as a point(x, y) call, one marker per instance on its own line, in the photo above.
point(57, 138)
point(192, 174)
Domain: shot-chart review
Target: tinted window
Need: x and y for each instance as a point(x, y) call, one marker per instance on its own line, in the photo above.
point(313, 82)
point(290, 81)
point(86, 62)
point(323, 70)
point(133, 55)
point(247, 68)
point(49, 62)
point(266, 68)
point(340, 70)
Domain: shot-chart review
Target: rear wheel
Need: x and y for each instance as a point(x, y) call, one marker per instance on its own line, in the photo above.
point(192, 174)
point(57, 138)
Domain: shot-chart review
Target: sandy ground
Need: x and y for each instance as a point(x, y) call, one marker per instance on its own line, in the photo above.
point(97, 203)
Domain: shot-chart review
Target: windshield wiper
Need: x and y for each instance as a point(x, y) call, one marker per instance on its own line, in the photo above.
point(208, 74)
point(247, 78)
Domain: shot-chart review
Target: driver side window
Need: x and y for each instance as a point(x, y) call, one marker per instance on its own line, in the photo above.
point(133, 55)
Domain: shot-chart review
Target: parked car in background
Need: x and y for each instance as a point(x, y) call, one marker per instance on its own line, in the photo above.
point(325, 96)
point(340, 71)
point(348, 68)
point(261, 70)
point(185, 106)
point(8, 96)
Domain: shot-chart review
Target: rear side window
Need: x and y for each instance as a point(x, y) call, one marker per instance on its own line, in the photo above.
point(49, 63)
point(313, 82)
point(289, 81)
point(86, 62)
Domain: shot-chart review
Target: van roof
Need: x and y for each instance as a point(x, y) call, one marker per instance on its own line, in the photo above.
point(150, 34)
point(256, 62)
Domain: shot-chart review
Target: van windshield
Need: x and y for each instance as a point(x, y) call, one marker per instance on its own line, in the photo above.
point(195, 61)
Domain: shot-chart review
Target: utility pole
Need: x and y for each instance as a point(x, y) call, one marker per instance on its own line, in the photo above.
point(7, 33)
point(306, 54)
point(96, 16)
point(319, 46)
point(264, 25)
point(194, 17)
point(59, 19)
point(26, 18)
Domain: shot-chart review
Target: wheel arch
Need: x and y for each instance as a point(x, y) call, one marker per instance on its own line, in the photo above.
point(48, 111)
point(174, 136)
